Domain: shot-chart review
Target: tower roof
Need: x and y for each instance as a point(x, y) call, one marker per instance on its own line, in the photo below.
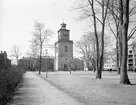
point(63, 25)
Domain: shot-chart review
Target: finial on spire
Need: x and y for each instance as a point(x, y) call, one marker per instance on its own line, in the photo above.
point(63, 20)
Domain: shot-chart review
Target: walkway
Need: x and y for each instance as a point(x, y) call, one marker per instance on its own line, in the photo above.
point(36, 91)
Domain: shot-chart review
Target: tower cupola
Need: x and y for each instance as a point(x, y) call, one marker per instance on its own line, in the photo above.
point(63, 25)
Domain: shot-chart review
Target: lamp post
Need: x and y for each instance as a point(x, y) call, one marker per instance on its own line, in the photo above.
point(46, 64)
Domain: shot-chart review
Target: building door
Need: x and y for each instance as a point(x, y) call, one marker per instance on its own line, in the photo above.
point(65, 67)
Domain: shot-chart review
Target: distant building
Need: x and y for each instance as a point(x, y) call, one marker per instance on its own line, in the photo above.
point(63, 48)
point(47, 63)
point(131, 58)
point(27, 63)
point(131, 63)
point(30, 63)
point(109, 62)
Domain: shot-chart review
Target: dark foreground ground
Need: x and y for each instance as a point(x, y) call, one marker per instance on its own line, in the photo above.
point(90, 91)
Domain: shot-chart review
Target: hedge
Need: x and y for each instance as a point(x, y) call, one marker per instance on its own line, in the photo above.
point(9, 79)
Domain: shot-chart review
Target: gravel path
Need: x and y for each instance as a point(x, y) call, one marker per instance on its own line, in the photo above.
point(33, 90)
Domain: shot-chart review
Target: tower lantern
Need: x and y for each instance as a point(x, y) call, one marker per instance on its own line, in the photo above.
point(63, 33)
point(63, 26)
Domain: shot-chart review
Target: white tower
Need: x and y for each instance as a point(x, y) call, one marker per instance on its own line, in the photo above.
point(63, 48)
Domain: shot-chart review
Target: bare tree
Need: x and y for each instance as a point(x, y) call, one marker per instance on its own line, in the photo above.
point(33, 52)
point(113, 21)
point(87, 47)
point(96, 10)
point(122, 15)
point(15, 53)
point(40, 39)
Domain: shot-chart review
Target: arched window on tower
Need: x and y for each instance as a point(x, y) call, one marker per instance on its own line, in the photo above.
point(66, 48)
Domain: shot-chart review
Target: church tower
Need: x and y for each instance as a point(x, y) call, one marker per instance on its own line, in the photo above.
point(63, 48)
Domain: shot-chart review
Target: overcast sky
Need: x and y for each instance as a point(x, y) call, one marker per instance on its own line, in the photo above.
point(17, 20)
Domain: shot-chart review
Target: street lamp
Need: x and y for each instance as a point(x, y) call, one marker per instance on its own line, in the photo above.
point(46, 64)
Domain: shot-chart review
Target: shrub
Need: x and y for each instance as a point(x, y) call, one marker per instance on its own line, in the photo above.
point(9, 78)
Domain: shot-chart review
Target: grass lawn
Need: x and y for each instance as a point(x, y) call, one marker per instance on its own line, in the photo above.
point(85, 88)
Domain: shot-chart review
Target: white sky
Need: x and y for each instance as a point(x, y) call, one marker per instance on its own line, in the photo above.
point(17, 20)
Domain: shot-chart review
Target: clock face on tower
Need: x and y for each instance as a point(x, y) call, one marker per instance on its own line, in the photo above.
point(63, 35)
point(65, 32)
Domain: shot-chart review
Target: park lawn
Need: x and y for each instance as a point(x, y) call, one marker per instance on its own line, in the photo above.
point(85, 88)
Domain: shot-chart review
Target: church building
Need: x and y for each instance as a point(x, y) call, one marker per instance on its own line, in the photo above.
point(63, 48)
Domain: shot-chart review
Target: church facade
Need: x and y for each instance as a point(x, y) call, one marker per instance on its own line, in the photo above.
point(63, 48)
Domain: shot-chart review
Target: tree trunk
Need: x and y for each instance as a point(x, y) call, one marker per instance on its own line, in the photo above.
point(120, 50)
point(124, 76)
point(98, 72)
point(70, 70)
point(120, 33)
point(96, 37)
point(117, 56)
point(93, 65)
point(40, 59)
point(102, 51)
point(40, 65)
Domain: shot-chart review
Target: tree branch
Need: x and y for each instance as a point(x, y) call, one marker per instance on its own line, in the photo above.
point(111, 29)
point(131, 33)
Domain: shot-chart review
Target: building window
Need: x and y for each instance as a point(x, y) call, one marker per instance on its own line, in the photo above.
point(130, 51)
point(66, 48)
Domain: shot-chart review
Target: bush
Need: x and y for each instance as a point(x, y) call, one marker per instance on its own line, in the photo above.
point(9, 78)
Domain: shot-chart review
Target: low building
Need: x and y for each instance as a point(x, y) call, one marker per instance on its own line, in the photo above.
point(47, 63)
point(27, 63)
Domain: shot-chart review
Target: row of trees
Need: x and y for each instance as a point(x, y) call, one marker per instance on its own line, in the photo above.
point(114, 13)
